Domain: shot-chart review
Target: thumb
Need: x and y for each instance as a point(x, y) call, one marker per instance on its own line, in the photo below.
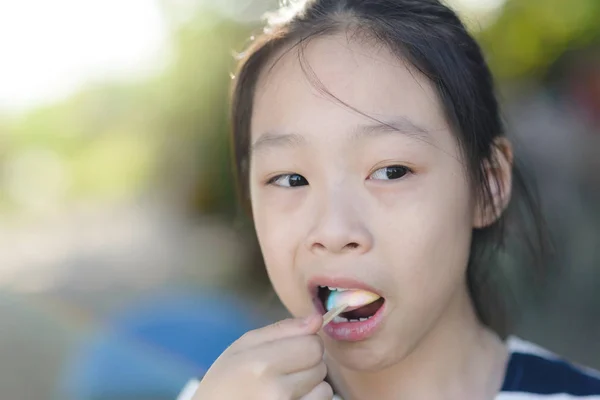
point(282, 329)
point(313, 323)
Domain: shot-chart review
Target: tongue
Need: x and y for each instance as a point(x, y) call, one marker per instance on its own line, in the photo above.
point(354, 298)
point(363, 312)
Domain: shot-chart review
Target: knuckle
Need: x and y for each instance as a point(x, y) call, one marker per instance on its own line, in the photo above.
point(315, 346)
point(258, 369)
point(283, 324)
point(323, 391)
point(277, 392)
point(327, 390)
point(322, 370)
point(248, 336)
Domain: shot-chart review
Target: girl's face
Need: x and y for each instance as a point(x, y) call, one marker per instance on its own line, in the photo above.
point(342, 200)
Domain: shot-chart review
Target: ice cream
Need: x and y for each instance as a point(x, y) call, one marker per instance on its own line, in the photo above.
point(355, 298)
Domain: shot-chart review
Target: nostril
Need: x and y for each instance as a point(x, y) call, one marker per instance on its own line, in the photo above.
point(319, 246)
point(334, 247)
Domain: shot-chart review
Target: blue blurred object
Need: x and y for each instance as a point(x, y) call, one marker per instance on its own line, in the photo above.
point(151, 350)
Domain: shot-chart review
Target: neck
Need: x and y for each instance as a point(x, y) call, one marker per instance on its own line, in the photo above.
point(458, 359)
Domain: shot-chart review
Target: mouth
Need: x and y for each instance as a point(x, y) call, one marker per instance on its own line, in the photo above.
point(354, 313)
point(363, 316)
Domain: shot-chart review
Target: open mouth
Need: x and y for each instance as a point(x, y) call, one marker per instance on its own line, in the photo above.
point(354, 314)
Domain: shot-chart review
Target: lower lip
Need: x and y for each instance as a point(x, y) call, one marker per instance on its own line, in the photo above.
point(355, 331)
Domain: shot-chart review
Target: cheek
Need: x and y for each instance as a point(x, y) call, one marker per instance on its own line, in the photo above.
point(277, 233)
point(279, 220)
point(279, 238)
point(429, 238)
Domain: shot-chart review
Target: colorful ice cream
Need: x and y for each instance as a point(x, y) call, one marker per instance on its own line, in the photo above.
point(355, 298)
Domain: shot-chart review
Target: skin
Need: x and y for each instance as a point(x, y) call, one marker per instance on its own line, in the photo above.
point(408, 237)
point(280, 361)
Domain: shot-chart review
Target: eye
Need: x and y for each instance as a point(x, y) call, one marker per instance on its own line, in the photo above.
point(288, 180)
point(390, 173)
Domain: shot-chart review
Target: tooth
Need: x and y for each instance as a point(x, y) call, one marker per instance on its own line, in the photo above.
point(332, 288)
point(340, 319)
point(363, 319)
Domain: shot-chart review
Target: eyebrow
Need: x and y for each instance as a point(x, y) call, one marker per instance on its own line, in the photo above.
point(276, 139)
point(398, 125)
point(401, 125)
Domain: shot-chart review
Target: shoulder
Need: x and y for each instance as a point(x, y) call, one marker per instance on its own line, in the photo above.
point(536, 373)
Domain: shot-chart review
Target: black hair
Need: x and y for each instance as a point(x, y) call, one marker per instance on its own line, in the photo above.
point(432, 38)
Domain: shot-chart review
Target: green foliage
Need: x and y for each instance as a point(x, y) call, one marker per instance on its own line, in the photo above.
point(196, 117)
point(101, 138)
point(530, 35)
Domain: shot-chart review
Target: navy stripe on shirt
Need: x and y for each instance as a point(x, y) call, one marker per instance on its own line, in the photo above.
point(531, 373)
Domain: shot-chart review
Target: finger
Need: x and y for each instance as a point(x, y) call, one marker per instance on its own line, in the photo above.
point(284, 356)
point(303, 382)
point(322, 391)
point(279, 330)
point(290, 355)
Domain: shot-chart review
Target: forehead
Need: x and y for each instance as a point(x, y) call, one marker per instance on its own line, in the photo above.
point(298, 91)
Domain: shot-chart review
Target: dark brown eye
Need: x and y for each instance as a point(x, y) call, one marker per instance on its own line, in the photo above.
point(390, 173)
point(289, 180)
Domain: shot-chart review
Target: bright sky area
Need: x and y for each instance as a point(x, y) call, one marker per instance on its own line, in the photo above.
point(49, 49)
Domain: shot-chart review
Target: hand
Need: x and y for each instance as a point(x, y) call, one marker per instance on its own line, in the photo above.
point(283, 361)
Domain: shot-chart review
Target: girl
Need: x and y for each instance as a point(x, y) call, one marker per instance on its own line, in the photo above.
point(369, 145)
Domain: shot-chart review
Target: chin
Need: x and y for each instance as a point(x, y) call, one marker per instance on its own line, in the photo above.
point(367, 356)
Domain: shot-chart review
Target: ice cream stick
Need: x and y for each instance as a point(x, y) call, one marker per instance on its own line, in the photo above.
point(331, 314)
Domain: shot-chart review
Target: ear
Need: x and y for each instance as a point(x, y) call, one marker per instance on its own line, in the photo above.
point(498, 173)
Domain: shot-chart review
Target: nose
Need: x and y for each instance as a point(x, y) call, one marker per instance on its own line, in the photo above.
point(339, 227)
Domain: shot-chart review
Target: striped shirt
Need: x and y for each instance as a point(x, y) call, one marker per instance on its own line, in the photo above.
point(532, 373)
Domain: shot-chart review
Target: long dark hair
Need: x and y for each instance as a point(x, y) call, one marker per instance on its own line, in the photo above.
point(432, 38)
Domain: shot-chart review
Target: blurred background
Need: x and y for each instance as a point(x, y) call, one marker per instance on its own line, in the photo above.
point(121, 243)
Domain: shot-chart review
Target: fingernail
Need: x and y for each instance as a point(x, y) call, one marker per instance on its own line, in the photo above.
point(307, 320)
